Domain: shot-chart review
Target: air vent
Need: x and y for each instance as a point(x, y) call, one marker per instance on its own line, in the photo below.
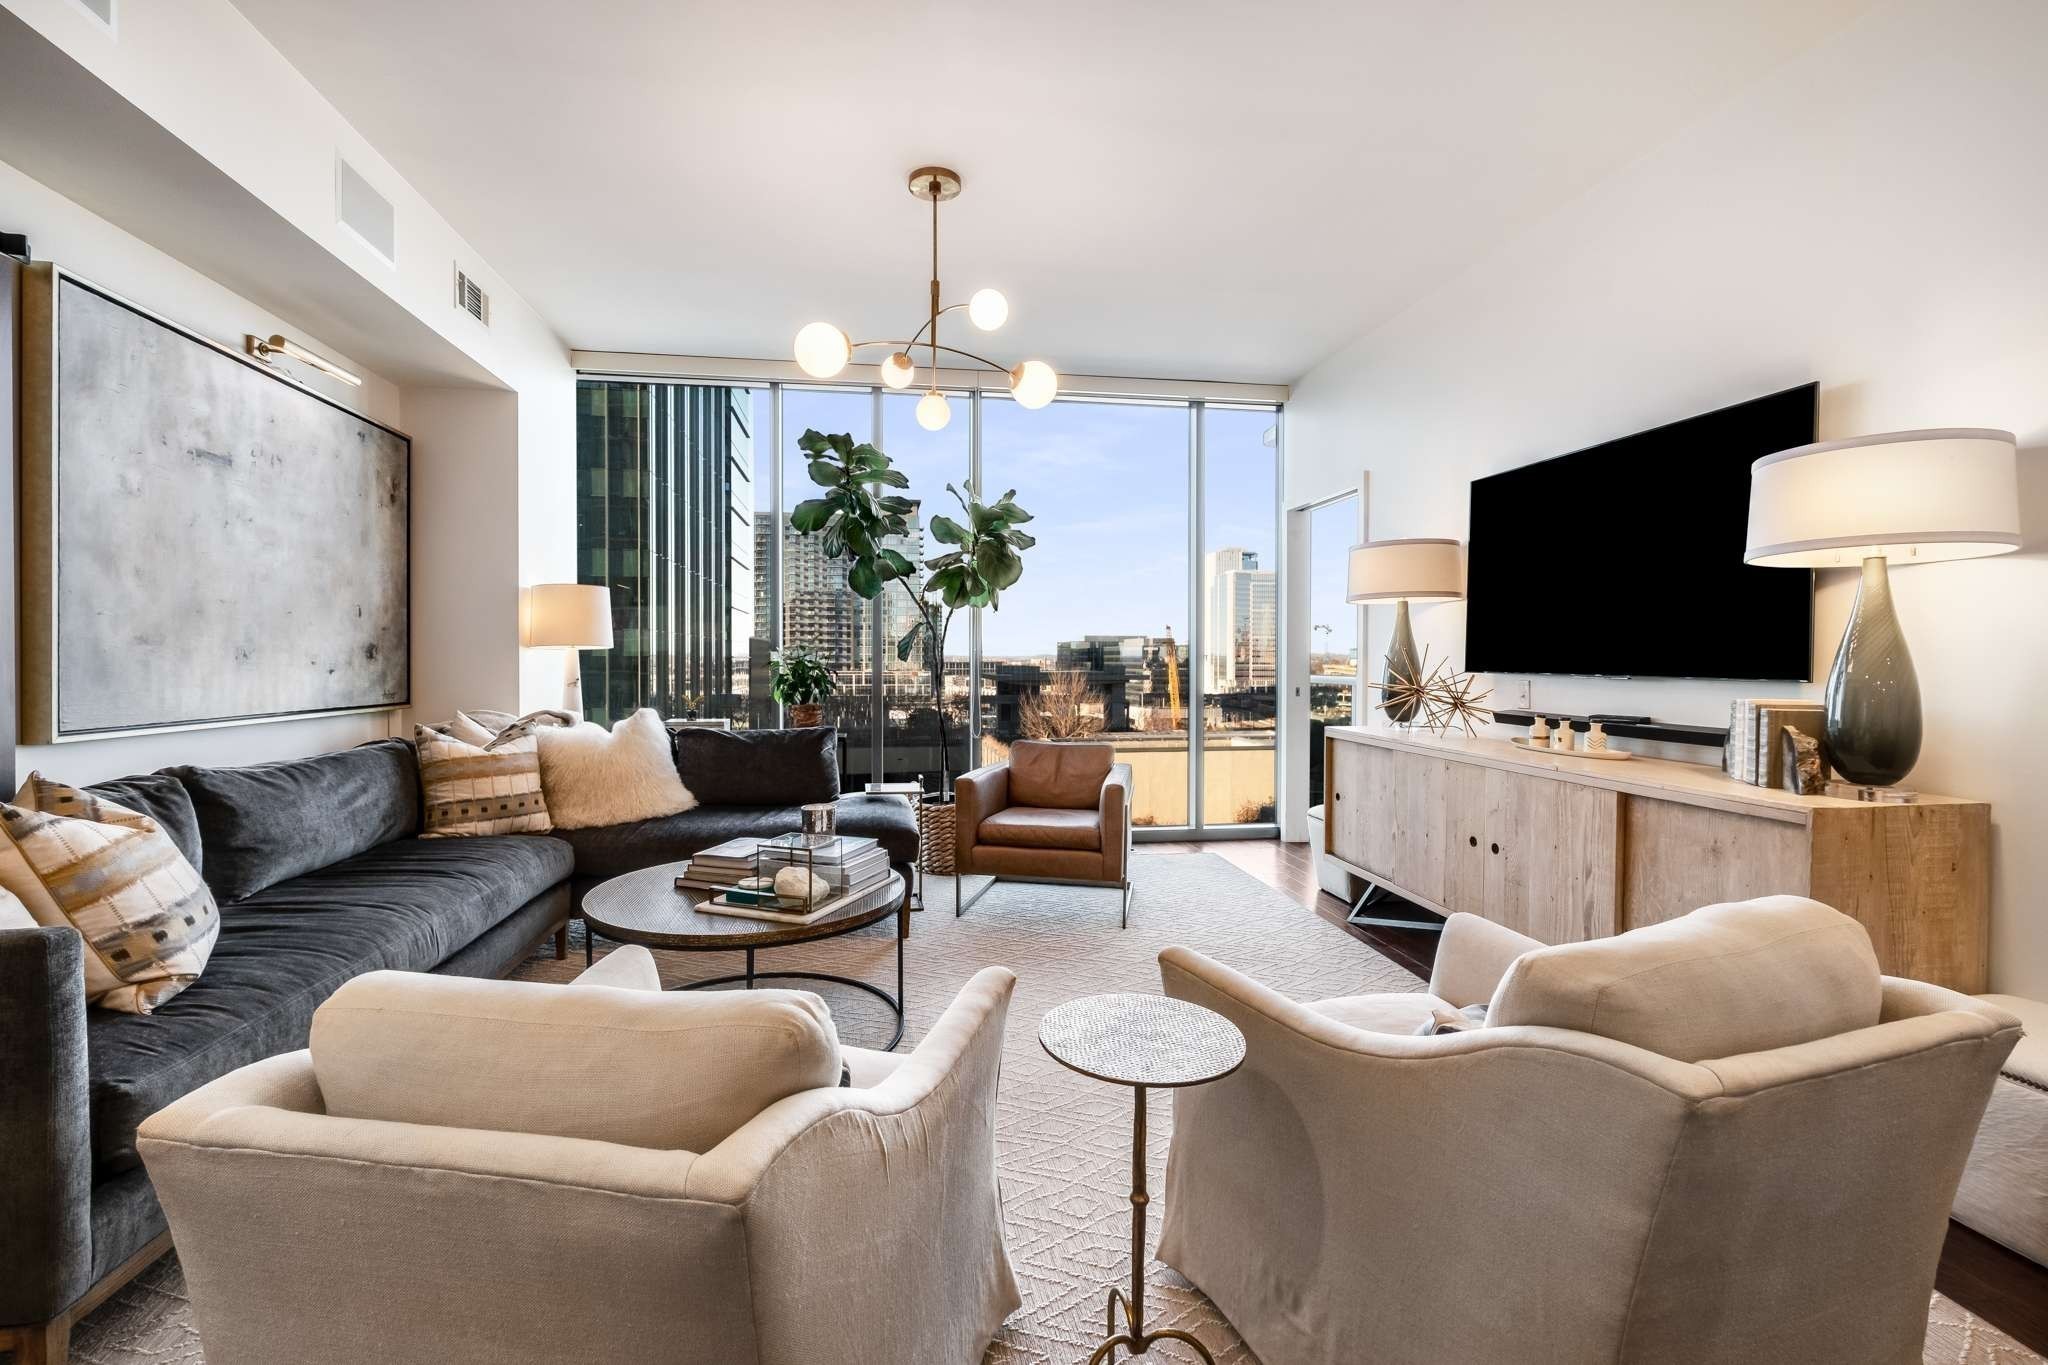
point(364, 212)
point(102, 10)
point(471, 298)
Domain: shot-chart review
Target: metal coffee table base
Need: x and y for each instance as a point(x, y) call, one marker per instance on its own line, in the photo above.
point(750, 976)
point(1134, 1338)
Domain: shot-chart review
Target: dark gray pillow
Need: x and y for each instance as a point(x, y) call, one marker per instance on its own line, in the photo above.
point(759, 767)
point(270, 822)
point(163, 798)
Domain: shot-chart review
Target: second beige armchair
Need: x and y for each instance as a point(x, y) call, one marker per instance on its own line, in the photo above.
point(1721, 1139)
point(1056, 811)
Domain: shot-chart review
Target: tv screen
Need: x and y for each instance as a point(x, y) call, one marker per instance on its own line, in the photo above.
point(1625, 559)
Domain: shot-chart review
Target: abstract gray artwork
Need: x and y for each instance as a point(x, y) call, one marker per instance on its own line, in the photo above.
point(203, 541)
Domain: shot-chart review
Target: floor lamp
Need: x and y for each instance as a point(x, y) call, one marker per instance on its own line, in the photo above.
point(571, 617)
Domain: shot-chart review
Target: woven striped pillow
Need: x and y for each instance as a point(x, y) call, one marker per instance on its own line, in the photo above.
point(148, 921)
point(472, 789)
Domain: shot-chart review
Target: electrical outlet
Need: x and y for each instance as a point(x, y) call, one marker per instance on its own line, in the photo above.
point(1522, 694)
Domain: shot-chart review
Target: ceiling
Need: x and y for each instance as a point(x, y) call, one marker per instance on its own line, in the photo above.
point(1171, 189)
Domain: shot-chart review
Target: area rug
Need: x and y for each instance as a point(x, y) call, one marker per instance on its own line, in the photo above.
point(1064, 1141)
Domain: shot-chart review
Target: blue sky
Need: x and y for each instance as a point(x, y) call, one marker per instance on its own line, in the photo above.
point(1107, 484)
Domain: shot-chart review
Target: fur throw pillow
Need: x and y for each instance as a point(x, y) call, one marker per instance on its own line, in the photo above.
point(592, 776)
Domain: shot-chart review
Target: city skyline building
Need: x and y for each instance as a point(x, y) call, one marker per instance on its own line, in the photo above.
point(1241, 621)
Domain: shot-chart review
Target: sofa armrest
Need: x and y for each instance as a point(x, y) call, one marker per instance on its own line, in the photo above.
point(1473, 956)
point(45, 1133)
point(976, 796)
point(1114, 808)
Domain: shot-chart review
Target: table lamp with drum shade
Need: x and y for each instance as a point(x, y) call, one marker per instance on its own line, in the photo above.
point(571, 617)
point(1404, 571)
point(1908, 497)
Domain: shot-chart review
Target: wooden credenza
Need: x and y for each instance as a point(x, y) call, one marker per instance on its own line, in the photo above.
point(1565, 848)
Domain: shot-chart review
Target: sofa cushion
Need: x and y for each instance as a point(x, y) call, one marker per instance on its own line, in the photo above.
point(269, 822)
point(163, 798)
point(659, 1069)
point(612, 850)
point(409, 904)
point(1059, 775)
point(758, 767)
point(1721, 981)
point(1039, 827)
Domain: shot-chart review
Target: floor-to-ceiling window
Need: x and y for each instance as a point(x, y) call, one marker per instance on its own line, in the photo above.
point(1147, 611)
point(666, 511)
point(1240, 596)
point(1094, 640)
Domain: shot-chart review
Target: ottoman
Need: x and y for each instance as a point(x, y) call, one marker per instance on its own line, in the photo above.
point(2004, 1193)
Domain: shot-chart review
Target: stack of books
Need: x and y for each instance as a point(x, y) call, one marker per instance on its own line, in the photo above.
point(850, 867)
point(1756, 731)
point(848, 864)
point(717, 868)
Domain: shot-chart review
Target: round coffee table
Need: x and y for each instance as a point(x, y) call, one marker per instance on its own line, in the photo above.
point(648, 908)
point(1141, 1041)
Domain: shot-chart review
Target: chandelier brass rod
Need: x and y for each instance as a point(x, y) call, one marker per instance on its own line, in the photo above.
point(949, 350)
point(933, 323)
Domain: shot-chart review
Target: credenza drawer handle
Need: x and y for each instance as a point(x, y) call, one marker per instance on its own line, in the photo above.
point(1496, 848)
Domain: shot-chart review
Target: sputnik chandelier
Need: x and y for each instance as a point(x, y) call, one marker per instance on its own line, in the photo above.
point(823, 350)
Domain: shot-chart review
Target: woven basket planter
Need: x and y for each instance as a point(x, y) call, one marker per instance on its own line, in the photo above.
point(937, 821)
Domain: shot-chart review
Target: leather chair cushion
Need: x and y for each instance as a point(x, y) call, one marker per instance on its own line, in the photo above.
point(1059, 775)
point(1719, 982)
point(1038, 827)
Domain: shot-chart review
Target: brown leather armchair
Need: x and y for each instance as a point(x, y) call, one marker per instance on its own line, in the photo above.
point(1057, 811)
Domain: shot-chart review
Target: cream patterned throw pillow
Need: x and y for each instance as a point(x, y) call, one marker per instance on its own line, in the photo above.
point(148, 921)
point(472, 789)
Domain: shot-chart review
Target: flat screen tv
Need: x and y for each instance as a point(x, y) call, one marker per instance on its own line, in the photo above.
point(1625, 559)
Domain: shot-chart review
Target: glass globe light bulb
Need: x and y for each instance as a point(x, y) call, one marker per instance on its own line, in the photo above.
point(988, 309)
point(1033, 384)
point(822, 350)
point(933, 412)
point(897, 371)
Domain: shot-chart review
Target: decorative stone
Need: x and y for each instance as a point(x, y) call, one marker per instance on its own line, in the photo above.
point(1805, 773)
point(801, 884)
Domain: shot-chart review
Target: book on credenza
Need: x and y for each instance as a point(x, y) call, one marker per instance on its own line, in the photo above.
point(1771, 720)
point(1754, 726)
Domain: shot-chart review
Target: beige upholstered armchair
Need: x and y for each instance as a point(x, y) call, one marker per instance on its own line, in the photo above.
point(1721, 1139)
point(489, 1171)
point(1057, 811)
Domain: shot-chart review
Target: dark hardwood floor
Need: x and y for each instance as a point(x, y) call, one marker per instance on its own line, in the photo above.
point(2004, 1288)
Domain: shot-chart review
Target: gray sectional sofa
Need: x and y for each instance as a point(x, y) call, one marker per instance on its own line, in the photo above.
point(321, 876)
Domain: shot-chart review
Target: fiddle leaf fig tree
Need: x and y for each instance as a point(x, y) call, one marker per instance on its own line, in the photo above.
point(855, 516)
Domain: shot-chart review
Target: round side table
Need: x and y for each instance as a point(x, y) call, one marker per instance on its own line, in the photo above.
point(1144, 1042)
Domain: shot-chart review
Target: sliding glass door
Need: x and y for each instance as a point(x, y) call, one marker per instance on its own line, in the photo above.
point(1147, 613)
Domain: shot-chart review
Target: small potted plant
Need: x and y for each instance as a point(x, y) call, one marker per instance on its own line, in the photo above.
point(798, 679)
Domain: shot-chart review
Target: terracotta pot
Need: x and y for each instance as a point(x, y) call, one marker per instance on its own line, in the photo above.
point(803, 715)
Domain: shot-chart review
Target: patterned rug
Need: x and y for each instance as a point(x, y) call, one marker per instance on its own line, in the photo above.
point(1064, 1141)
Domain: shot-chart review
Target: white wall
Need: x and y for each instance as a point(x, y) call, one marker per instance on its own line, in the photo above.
point(93, 248)
point(1872, 215)
point(502, 509)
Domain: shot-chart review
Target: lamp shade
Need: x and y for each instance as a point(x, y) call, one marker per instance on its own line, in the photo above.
point(567, 615)
point(1915, 497)
point(1411, 570)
